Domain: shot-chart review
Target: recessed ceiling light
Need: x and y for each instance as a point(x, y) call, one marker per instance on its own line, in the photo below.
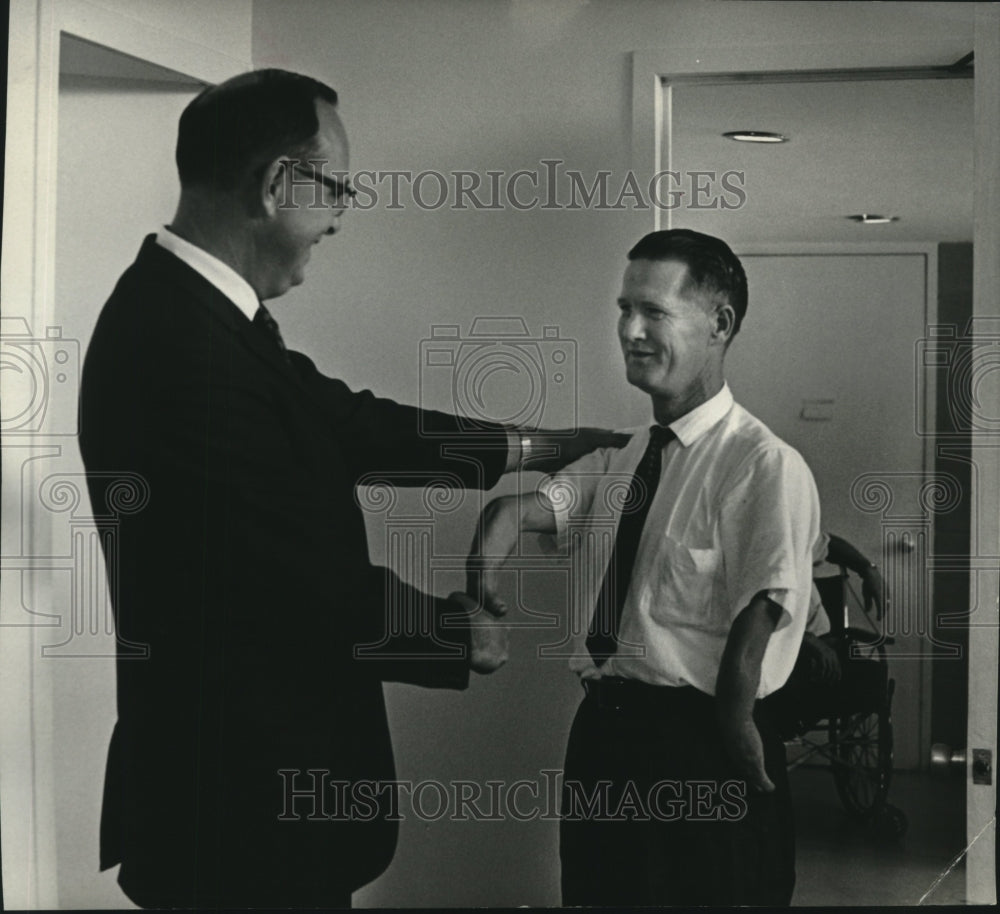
point(872, 219)
point(755, 136)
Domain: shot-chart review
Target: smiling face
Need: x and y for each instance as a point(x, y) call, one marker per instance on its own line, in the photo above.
point(672, 336)
point(300, 210)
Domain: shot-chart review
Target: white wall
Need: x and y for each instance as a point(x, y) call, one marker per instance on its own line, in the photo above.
point(501, 85)
point(224, 25)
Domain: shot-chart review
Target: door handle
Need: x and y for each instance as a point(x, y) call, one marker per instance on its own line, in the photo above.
point(944, 758)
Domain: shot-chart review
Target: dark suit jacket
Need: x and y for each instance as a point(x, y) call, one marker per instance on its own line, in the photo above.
point(247, 575)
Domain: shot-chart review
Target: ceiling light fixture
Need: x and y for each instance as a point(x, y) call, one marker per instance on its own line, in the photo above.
point(755, 136)
point(872, 219)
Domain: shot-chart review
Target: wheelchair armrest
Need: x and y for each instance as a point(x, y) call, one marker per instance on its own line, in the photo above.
point(865, 637)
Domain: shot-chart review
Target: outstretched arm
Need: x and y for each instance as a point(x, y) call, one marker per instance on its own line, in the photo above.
point(552, 449)
point(500, 525)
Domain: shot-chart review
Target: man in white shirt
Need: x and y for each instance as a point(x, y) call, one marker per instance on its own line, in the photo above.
point(675, 789)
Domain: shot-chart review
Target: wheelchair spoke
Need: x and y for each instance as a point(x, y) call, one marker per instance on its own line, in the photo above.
point(863, 750)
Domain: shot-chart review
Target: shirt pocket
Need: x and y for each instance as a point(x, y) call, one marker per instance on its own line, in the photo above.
point(686, 587)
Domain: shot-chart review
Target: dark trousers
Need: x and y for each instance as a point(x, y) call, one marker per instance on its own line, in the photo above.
point(225, 898)
point(654, 813)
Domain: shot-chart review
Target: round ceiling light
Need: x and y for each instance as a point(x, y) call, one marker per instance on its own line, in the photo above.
point(755, 136)
point(872, 219)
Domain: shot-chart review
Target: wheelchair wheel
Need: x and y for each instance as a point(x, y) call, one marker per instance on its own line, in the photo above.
point(862, 759)
point(890, 823)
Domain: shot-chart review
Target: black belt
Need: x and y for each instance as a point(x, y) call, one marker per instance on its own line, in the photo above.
point(612, 693)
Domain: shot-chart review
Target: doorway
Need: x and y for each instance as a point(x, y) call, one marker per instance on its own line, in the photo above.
point(92, 93)
point(117, 118)
point(832, 356)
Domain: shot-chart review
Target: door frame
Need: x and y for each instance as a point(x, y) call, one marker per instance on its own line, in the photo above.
point(655, 71)
point(651, 69)
point(29, 823)
point(981, 803)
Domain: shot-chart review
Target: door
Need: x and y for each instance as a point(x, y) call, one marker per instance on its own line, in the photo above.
point(856, 422)
point(877, 183)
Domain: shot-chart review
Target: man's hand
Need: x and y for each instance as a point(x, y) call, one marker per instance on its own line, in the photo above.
point(495, 539)
point(824, 665)
point(742, 741)
point(841, 552)
point(552, 449)
point(482, 581)
point(488, 636)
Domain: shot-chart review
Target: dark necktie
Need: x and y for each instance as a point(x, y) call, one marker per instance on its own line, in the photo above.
point(269, 325)
point(602, 636)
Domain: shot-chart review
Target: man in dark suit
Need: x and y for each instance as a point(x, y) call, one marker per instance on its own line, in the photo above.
point(246, 574)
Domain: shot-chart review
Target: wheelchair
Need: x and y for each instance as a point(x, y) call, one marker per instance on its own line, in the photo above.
point(847, 724)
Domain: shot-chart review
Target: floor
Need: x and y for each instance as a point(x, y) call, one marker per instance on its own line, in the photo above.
point(840, 862)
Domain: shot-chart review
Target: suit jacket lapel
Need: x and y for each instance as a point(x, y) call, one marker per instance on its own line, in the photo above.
point(221, 309)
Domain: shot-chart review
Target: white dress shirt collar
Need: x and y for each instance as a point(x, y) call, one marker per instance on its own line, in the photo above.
point(691, 426)
point(219, 274)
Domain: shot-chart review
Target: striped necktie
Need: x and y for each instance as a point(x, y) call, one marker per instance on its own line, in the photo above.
point(602, 636)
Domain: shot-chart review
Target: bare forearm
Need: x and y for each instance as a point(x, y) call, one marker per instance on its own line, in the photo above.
point(739, 671)
point(497, 532)
point(500, 526)
point(736, 689)
point(505, 518)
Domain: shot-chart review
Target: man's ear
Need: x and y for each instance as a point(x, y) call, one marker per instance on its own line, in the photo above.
point(272, 187)
point(725, 323)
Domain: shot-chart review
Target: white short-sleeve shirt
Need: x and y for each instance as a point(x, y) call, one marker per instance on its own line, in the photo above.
point(736, 512)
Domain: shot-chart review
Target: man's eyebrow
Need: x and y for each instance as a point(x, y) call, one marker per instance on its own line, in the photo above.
point(334, 183)
point(337, 185)
point(649, 303)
